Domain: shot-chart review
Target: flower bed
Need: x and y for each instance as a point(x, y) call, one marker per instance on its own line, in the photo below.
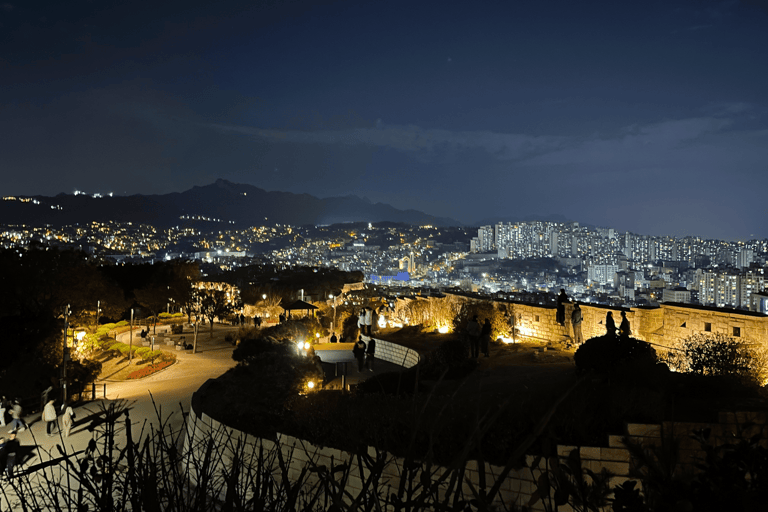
point(149, 370)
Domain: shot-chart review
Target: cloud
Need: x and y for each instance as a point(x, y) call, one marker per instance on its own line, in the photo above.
point(414, 139)
point(668, 142)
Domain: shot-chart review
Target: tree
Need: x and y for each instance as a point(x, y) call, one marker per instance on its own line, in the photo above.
point(181, 286)
point(154, 297)
point(214, 303)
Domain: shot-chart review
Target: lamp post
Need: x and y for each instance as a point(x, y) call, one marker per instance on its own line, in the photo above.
point(333, 303)
point(64, 357)
point(130, 337)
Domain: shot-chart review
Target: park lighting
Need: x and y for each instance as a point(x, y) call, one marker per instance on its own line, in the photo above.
point(306, 345)
point(311, 384)
point(80, 335)
point(444, 329)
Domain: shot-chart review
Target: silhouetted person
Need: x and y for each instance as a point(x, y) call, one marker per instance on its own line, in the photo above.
point(11, 449)
point(485, 338)
point(359, 352)
point(473, 331)
point(370, 354)
point(624, 330)
point(334, 339)
point(610, 325)
point(576, 319)
point(561, 300)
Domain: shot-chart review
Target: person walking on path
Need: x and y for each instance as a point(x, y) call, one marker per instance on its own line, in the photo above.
point(50, 417)
point(3, 408)
point(485, 338)
point(624, 330)
point(370, 354)
point(17, 414)
point(10, 448)
point(561, 300)
point(473, 331)
point(67, 419)
point(576, 319)
point(359, 352)
point(610, 325)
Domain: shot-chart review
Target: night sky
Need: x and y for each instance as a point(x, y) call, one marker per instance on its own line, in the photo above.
point(645, 116)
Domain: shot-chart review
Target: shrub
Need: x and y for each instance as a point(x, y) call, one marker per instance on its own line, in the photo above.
point(452, 356)
point(142, 352)
point(718, 354)
point(607, 353)
point(117, 348)
point(154, 355)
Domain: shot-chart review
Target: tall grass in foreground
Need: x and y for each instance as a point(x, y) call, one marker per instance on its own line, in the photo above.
point(119, 473)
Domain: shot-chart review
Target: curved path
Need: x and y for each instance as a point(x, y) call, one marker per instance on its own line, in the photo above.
point(170, 390)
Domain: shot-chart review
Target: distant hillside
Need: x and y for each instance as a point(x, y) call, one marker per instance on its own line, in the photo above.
point(233, 205)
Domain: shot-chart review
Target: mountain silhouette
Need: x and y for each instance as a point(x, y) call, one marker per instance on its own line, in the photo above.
point(222, 203)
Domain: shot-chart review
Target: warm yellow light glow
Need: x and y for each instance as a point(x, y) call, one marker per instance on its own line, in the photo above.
point(444, 329)
point(382, 322)
point(306, 345)
point(311, 384)
point(504, 339)
point(80, 335)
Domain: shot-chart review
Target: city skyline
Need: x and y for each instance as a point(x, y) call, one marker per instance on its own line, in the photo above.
point(646, 117)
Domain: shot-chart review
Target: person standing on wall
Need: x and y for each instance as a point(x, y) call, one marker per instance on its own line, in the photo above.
point(576, 319)
point(610, 325)
point(624, 330)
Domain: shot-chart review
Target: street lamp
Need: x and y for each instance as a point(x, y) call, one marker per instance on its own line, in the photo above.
point(64, 358)
point(333, 303)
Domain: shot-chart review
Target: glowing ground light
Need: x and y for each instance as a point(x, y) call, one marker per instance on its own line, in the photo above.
point(311, 384)
point(444, 329)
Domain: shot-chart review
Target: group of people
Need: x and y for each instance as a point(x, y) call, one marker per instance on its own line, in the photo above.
point(623, 331)
point(610, 326)
point(479, 337)
point(9, 447)
point(365, 320)
point(365, 354)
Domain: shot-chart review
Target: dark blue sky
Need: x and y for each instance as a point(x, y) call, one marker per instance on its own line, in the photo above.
point(645, 116)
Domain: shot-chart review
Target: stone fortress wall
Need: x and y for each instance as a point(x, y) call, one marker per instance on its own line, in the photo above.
point(664, 326)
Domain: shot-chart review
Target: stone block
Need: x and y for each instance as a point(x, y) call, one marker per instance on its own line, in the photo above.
point(617, 468)
point(589, 453)
point(643, 430)
point(616, 441)
point(614, 454)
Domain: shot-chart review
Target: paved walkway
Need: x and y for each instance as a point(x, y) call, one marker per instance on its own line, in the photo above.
point(166, 394)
